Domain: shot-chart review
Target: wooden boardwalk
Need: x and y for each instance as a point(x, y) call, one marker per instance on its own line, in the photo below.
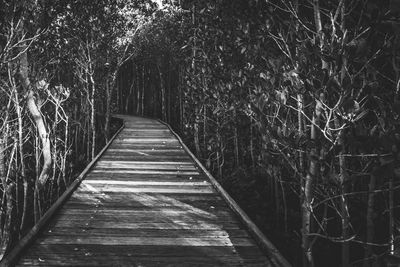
point(146, 202)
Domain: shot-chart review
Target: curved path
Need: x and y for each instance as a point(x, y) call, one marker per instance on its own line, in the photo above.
point(147, 202)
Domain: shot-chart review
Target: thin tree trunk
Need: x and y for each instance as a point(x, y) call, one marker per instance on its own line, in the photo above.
point(236, 140)
point(343, 201)
point(196, 133)
point(8, 188)
point(220, 160)
point(66, 147)
point(36, 202)
point(313, 167)
point(93, 116)
point(391, 215)
point(143, 88)
point(251, 144)
point(162, 87)
point(370, 220)
point(55, 140)
point(194, 37)
point(300, 129)
point(181, 103)
point(137, 91)
point(342, 160)
point(109, 90)
point(204, 125)
point(4, 232)
point(308, 194)
point(277, 199)
point(21, 158)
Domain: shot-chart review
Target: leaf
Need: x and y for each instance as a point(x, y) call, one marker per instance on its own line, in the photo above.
point(243, 50)
point(263, 75)
point(361, 115)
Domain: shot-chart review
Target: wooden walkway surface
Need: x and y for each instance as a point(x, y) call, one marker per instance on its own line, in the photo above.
point(145, 202)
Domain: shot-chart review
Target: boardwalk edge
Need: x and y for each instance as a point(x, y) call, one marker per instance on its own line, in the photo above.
point(11, 257)
point(274, 255)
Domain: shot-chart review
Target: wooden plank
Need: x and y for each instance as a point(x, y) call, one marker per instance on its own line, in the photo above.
point(201, 190)
point(147, 183)
point(146, 150)
point(149, 225)
point(137, 130)
point(144, 140)
point(112, 231)
point(155, 200)
point(138, 206)
point(156, 212)
point(87, 259)
point(145, 241)
point(152, 168)
point(160, 151)
point(145, 165)
point(145, 162)
point(144, 177)
point(161, 159)
point(170, 221)
point(145, 232)
point(247, 252)
point(146, 172)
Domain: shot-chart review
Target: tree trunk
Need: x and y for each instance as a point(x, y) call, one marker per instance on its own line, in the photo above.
point(313, 165)
point(181, 102)
point(143, 88)
point(391, 215)
point(37, 117)
point(236, 140)
point(4, 232)
point(300, 129)
point(253, 162)
point(308, 194)
point(370, 220)
point(109, 90)
point(162, 87)
point(93, 117)
point(21, 158)
point(196, 133)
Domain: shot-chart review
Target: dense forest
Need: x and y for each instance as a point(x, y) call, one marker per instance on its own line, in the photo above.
point(293, 105)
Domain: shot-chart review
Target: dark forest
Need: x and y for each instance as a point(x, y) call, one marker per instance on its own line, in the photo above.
point(292, 105)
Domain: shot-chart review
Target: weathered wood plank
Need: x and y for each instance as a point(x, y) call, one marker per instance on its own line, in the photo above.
point(246, 252)
point(145, 177)
point(112, 231)
point(88, 259)
point(146, 241)
point(152, 190)
point(149, 225)
point(167, 172)
point(147, 183)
